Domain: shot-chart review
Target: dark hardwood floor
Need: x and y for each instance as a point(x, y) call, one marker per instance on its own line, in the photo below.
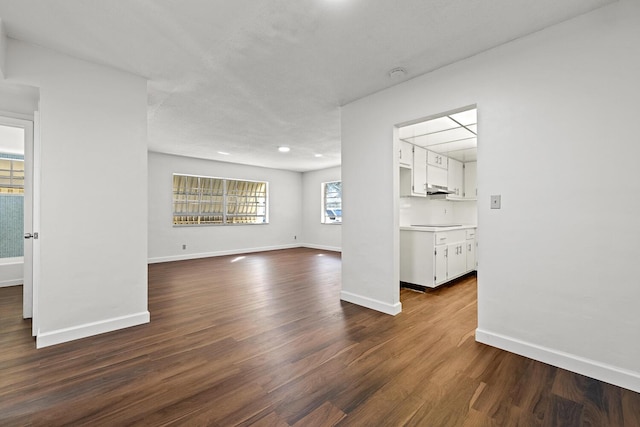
point(264, 340)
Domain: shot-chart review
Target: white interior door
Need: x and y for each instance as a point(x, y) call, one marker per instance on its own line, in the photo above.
point(27, 287)
point(35, 221)
point(28, 146)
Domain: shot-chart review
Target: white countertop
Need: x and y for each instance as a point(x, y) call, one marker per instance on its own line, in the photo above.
point(441, 228)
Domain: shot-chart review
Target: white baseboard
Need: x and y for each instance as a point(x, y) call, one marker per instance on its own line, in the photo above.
point(219, 253)
point(373, 304)
point(322, 247)
point(59, 336)
point(591, 368)
point(14, 282)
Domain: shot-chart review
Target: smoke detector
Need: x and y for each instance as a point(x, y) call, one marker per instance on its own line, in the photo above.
point(397, 73)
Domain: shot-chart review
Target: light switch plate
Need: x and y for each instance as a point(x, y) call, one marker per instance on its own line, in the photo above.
point(495, 202)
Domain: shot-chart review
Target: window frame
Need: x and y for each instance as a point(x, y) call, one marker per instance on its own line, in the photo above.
point(14, 176)
point(324, 218)
point(194, 218)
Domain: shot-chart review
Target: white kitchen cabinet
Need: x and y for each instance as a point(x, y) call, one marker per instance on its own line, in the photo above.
point(437, 160)
point(470, 182)
point(470, 248)
point(413, 181)
point(430, 259)
point(406, 154)
point(456, 259)
point(440, 265)
point(455, 179)
point(437, 176)
point(419, 168)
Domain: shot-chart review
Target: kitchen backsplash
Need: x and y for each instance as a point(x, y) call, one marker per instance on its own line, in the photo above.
point(417, 210)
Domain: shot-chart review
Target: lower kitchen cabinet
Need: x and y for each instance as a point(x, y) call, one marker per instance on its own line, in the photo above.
point(456, 259)
point(471, 244)
point(430, 258)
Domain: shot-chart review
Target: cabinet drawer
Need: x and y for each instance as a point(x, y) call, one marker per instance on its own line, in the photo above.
point(448, 237)
point(442, 238)
point(471, 233)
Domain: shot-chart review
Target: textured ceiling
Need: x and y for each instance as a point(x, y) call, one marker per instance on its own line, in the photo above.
point(245, 76)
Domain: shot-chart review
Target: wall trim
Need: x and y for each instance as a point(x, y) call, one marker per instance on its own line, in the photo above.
point(322, 247)
point(219, 253)
point(59, 336)
point(12, 282)
point(371, 303)
point(591, 368)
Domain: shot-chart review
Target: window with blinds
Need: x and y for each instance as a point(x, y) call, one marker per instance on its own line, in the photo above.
point(201, 200)
point(332, 202)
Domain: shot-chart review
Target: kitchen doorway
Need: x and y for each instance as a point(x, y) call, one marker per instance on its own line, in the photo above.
point(437, 207)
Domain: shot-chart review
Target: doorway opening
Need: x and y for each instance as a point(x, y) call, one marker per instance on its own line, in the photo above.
point(16, 207)
point(438, 213)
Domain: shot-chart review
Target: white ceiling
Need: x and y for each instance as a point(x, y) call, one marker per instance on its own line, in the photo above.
point(246, 76)
point(454, 135)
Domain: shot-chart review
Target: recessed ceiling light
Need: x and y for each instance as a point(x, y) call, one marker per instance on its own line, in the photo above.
point(224, 153)
point(317, 155)
point(284, 149)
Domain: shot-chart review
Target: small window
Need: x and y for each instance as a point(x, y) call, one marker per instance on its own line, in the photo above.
point(11, 175)
point(332, 202)
point(201, 200)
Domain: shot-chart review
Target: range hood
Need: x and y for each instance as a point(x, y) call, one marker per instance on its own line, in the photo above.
point(434, 190)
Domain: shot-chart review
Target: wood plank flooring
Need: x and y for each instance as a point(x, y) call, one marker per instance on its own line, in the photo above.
point(264, 340)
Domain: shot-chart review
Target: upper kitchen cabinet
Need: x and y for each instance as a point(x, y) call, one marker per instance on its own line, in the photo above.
point(406, 154)
point(413, 181)
point(470, 183)
point(437, 165)
point(455, 181)
point(450, 145)
point(437, 160)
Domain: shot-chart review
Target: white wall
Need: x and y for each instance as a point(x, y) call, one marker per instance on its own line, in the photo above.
point(557, 278)
point(11, 271)
point(3, 49)
point(316, 234)
point(424, 210)
point(93, 235)
point(165, 241)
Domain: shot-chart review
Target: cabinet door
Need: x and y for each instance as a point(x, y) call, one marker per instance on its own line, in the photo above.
point(440, 271)
point(406, 154)
point(437, 160)
point(455, 178)
point(471, 254)
point(470, 183)
point(456, 259)
point(419, 183)
point(437, 176)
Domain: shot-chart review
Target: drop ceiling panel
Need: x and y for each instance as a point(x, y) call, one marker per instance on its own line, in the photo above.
point(444, 136)
point(461, 144)
point(466, 118)
point(468, 155)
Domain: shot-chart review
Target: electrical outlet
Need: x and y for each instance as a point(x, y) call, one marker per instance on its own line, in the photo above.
point(295, 237)
point(184, 247)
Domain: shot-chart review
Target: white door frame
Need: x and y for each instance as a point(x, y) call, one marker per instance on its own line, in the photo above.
point(30, 245)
